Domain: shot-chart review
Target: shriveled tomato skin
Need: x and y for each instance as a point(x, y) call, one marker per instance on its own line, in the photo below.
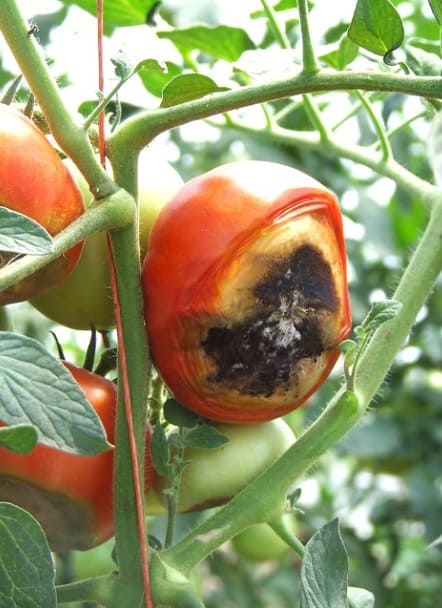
point(35, 182)
point(246, 294)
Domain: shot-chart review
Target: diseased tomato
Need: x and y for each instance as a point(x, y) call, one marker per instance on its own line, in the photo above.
point(85, 298)
point(35, 182)
point(215, 475)
point(70, 495)
point(245, 289)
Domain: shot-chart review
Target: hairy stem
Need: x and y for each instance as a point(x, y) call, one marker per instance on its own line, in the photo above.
point(113, 212)
point(140, 129)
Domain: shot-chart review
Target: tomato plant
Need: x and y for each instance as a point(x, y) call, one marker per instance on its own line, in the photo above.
point(245, 295)
point(84, 299)
point(246, 307)
point(34, 182)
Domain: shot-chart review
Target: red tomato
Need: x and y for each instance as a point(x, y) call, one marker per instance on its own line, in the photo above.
point(245, 291)
point(35, 182)
point(71, 496)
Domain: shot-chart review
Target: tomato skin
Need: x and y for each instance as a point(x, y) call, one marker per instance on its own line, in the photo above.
point(245, 291)
point(84, 299)
point(260, 543)
point(215, 475)
point(34, 181)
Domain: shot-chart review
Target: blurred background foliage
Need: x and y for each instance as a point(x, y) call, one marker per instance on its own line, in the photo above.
point(384, 481)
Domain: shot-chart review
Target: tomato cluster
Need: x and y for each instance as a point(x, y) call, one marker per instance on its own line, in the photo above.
point(246, 301)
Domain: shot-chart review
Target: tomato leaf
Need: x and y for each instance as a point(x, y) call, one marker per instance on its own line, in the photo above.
point(160, 451)
point(178, 415)
point(119, 12)
point(204, 436)
point(20, 438)
point(186, 87)
point(379, 313)
point(324, 570)
point(20, 234)
point(220, 42)
point(436, 7)
point(340, 58)
point(37, 390)
point(154, 81)
point(376, 26)
point(26, 566)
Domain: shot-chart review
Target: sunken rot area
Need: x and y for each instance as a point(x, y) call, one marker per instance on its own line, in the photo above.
point(246, 291)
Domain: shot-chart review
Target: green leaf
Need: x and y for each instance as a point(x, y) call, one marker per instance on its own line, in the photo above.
point(26, 566)
point(37, 389)
point(220, 42)
point(435, 148)
point(379, 313)
point(436, 7)
point(21, 438)
point(205, 436)
point(422, 62)
point(119, 12)
point(160, 451)
point(175, 413)
point(360, 598)
point(324, 570)
point(154, 81)
point(20, 234)
point(376, 26)
point(187, 87)
point(346, 52)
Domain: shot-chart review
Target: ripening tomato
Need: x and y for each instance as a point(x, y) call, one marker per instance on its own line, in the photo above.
point(245, 289)
point(214, 475)
point(85, 298)
point(35, 182)
point(70, 495)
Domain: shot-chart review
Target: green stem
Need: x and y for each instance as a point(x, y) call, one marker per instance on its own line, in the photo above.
point(283, 531)
point(277, 31)
point(113, 212)
point(98, 589)
point(316, 118)
point(359, 154)
point(309, 62)
point(143, 127)
point(69, 135)
point(380, 129)
point(134, 373)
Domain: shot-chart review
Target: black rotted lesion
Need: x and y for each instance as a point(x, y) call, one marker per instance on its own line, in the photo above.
point(260, 354)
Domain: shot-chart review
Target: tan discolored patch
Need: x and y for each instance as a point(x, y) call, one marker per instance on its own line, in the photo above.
point(67, 523)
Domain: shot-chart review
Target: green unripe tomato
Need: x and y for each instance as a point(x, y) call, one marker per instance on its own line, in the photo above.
point(214, 475)
point(260, 543)
point(85, 298)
